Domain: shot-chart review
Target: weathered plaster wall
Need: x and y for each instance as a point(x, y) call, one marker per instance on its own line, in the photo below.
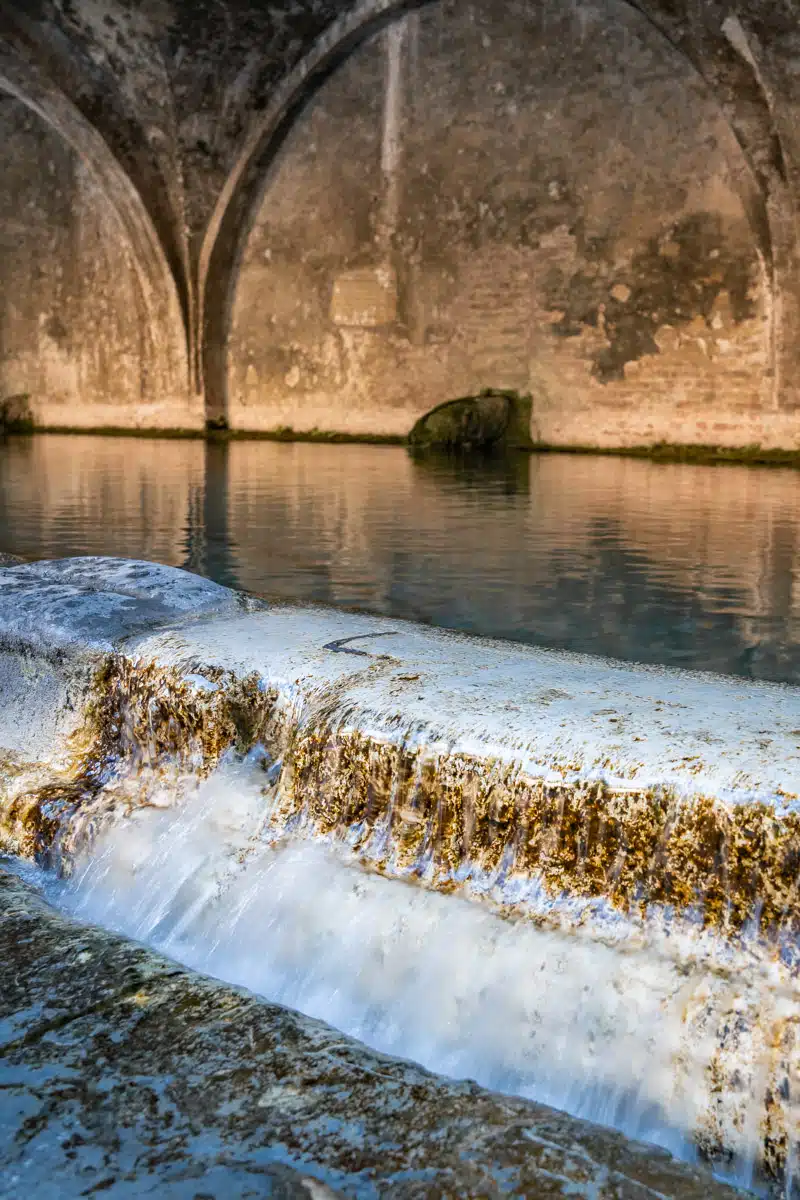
point(180, 114)
point(542, 198)
point(75, 335)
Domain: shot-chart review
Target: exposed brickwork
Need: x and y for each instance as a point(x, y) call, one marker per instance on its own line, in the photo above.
point(687, 128)
point(615, 278)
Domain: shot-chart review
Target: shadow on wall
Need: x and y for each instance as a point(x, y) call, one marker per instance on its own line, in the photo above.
point(495, 418)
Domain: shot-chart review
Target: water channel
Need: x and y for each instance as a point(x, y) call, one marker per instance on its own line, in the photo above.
point(685, 565)
point(682, 565)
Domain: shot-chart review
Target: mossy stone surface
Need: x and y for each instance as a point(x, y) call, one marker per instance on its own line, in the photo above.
point(494, 418)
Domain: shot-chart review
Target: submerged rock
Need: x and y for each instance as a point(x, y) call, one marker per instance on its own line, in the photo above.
point(123, 1074)
point(15, 414)
point(472, 423)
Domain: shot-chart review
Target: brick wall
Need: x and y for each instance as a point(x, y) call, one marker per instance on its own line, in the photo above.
point(569, 224)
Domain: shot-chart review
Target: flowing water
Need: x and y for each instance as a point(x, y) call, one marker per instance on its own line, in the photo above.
point(685, 565)
point(620, 1021)
point(599, 1030)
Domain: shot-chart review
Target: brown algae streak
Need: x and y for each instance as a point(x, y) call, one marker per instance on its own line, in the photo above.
point(143, 724)
point(450, 816)
point(444, 819)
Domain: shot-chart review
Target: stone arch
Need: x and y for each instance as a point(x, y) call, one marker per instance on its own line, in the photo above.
point(726, 58)
point(164, 326)
point(220, 255)
point(135, 127)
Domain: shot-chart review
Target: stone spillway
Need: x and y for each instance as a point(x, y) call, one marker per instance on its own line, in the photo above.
point(123, 1074)
point(575, 879)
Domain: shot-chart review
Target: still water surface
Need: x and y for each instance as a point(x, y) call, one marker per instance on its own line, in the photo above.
point(665, 563)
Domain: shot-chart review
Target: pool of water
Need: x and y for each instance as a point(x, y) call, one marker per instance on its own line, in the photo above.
point(665, 563)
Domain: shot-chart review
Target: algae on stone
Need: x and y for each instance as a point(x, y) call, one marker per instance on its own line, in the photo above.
point(475, 423)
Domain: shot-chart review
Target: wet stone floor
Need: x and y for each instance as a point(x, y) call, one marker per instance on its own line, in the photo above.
point(123, 1074)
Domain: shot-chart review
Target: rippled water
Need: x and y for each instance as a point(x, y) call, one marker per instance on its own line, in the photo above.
point(687, 565)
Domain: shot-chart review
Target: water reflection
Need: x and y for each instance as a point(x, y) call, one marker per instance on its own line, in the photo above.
point(688, 565)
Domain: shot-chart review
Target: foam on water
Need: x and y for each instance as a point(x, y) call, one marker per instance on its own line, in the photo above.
point(602, 1031)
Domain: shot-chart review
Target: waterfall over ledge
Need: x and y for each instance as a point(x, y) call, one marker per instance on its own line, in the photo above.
point(573, 879)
